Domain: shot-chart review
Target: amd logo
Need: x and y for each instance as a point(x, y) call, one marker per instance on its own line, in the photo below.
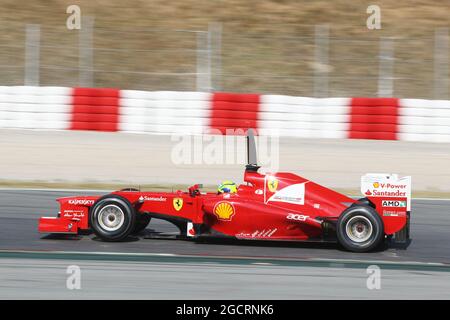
point(393, 204)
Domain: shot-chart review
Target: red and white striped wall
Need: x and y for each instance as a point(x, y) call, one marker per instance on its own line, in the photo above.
point(166, 112)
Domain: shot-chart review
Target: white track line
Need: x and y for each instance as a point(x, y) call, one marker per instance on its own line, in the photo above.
point(259, 260)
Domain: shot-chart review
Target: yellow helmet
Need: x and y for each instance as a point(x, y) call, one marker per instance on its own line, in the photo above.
point(227, 187)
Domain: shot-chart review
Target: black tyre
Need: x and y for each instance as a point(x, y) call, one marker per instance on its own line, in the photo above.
point(366, 202)
point(130, 190)
point(141, 223)
point(112, 218)
point(360, 229)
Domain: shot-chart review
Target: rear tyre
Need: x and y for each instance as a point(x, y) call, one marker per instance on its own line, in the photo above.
point(142, 222)
point(112, 218)
point(360, 229)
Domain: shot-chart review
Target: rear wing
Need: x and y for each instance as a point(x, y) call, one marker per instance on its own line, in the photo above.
point(392, 197)
point(387, 186)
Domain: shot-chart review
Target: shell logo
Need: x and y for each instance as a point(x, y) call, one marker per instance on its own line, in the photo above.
point(224, 211)
point(376, 185)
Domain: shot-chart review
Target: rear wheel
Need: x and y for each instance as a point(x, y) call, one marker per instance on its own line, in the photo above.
point(360, 229)
point(112, 218)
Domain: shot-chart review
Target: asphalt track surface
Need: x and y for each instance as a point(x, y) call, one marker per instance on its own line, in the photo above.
point(20, 211)
point(258, 277)
point(46, 279)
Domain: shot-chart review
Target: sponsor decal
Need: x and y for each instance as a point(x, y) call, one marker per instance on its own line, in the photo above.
point(297, 200)
point(81, 202)
point(177, 203)
point(147, 198)
point(393, 204)
point(397, 193)
point(294, 194)
point(297, 217)
point(190, 229)
point(257, 234)
point(377, 193)
point(73, 214)
point(259, 191)
point(388, 185)
point(272, 184)
point(243, 235)
point(388, 213)
point(385, 186)
point(224, 211)
point(316, 206)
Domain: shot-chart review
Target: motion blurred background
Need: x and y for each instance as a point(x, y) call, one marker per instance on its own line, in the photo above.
point(297, 48)
point(294, 47)
point(281, 57)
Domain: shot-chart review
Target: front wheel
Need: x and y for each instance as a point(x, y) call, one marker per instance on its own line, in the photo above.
point(360, 229)
point(112, 218)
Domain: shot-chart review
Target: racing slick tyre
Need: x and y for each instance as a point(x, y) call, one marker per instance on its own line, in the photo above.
point(360, 229)
point(112, 218)
point(142, 221)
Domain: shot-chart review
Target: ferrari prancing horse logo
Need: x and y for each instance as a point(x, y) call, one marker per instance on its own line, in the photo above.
point(178, 203)
point(272, 184)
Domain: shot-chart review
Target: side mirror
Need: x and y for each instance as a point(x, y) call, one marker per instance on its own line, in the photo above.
point(195, 189)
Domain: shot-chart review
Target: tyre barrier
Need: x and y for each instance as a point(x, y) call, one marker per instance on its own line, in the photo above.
point(168, 112)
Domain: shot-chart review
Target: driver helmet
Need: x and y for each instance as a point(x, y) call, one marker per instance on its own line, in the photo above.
point(227, 187)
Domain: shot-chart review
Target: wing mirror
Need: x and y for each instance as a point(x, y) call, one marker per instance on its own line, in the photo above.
point(195, 189)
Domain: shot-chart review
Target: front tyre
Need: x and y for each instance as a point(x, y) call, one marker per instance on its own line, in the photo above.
point(360, 229)
point(112, 218)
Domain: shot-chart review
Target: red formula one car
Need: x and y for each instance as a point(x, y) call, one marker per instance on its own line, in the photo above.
point(278, 206)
